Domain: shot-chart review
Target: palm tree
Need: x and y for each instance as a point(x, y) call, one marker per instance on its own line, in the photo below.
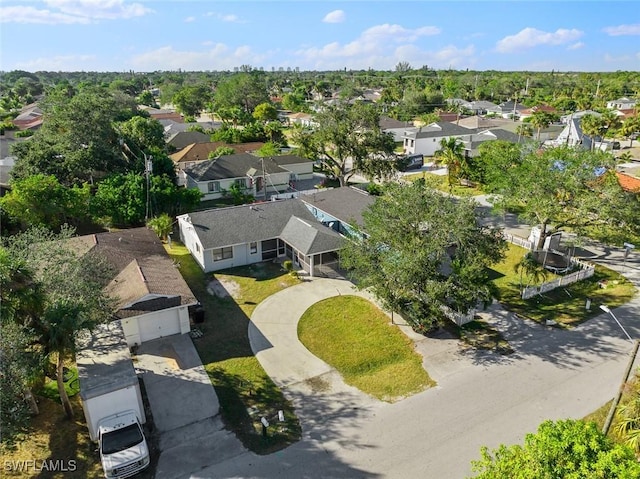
point(530, 267)
point(592, 126)
point(628, 424)
point(630, 128)
point(524, 129)
point(451, 154)
point(540, 119)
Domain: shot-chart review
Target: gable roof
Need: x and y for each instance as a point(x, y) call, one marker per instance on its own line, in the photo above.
point(387, 123)
point(438, 130)
point(310, 237)
point(142, 268)
point(346, 203)
point(289, 160)
point(628, 183)
point(200, 151)
point(183, 139)
point(232, 166)
point(247, 223)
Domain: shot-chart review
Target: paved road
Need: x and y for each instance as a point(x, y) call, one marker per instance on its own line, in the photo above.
point(481, 398)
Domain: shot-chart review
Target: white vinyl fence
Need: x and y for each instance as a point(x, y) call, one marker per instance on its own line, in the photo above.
point(457, 317)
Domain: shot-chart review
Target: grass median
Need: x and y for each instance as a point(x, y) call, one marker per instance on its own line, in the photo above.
point(355, 337)
point(245, 391)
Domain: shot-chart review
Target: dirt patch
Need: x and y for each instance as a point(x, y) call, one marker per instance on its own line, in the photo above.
point(223, 288)
point(318, 384)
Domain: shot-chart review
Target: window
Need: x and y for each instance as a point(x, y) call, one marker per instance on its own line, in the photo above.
point(214, 186)
point(253, 247)
point(242, 183)
point(220, 254)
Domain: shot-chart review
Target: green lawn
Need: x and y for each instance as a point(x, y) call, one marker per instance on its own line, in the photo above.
point(565, 305)
point(51, 436)
point(355, 337)
point(245, 390)
point(441, 182)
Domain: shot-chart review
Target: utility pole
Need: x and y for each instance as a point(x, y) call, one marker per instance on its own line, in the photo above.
point(597, 89)
point(148, 168)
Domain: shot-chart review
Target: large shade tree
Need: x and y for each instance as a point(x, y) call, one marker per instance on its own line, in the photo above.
point(77, 143)
point(564, 188)
point(346, 139)
point(422, 250)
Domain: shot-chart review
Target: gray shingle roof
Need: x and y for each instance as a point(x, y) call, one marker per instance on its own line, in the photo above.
point(310, 237)
point(387, 123)
point(183, 139)
point(290, 160)
point(231, 166)
point(442, 130)
point(345, 204)
point(243, 224)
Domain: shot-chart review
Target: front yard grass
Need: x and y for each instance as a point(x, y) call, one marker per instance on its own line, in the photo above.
point(441, 182)
point(564, 305)
point(52, 437)
point(245, 391)
point(355, 337)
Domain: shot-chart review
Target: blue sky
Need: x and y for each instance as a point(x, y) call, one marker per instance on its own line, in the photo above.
point(141, 35)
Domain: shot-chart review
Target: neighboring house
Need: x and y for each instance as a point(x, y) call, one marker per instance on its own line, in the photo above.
point(482, 123)
point(577, 115)
point(395, 127)
point(572, 135)
point(182, 139)
point(626, 113)
point(152, 298)
point(551, 132)
point(340, 208)
point(303, 119)
point(426, 140)
point(197, 152)
point(241, 235)
point(29, 118)
point(480, 107)
point(528, 112)
point(254, 175)
point(508, 109)
point(628, 183)
point(7, 159)
point(163, 114)
point(623, 103)
point(471, 146)
point(172, 127)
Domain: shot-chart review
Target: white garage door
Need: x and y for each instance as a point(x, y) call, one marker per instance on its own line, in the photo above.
point(158, 325)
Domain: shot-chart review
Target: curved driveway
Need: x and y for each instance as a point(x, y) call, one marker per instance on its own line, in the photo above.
point(481, 398)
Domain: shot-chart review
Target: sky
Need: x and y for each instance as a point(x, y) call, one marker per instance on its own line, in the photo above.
point(207, 35)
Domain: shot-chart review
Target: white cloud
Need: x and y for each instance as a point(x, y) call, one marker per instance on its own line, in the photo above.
point(25, 14)
point(225, 17)
point(531, 37)
point(337, 16)
point(72, 11)
point(218, 57)
point(575, 46)
point(99, 9)
point(623, 30)
point(59, 63)
point(189, 19)
point(374, 41)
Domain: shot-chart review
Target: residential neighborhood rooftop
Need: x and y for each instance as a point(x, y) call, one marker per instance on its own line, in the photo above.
point(232, 166)
point(346, 204)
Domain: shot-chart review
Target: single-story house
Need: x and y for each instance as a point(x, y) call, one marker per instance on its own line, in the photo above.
point(395, 127)
point(471, 147)
point(507, 109)
point(528, 112)
point(241, 235)
point(303, 119)
point(29, 118)
point(255, 176)
point(623, 103)
point(572, 135)
point(426, 140)
point(152, 298)
point(196, 152)
point(565, 119)
point(163, 114)
point(182, 139)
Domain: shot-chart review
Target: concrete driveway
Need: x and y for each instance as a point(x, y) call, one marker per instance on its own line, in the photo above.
point(482, 398)
point(184, 406)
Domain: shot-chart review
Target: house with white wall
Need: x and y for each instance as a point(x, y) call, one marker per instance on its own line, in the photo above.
point(152, 298)
point(623, 103)
point(426, 140)
point(255, 176)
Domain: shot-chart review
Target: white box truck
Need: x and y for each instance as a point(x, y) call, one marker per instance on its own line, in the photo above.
point(112, 401)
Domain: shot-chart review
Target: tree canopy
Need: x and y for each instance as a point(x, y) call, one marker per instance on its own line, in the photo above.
point(421, 250)
point(568, 449)
point(345, 134)
point(563, 188)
